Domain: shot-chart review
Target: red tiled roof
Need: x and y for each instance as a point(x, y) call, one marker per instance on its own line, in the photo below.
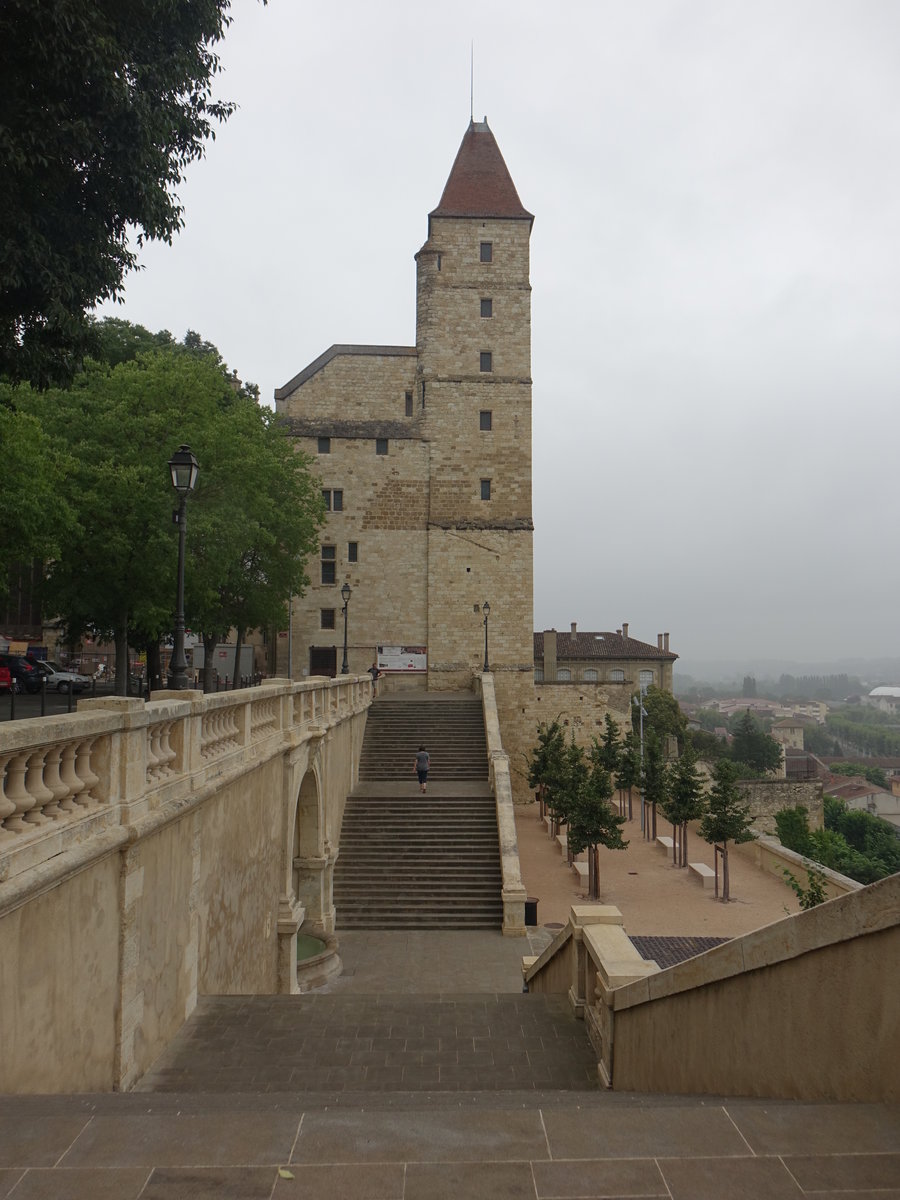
point(480, 184)
point(600, 645)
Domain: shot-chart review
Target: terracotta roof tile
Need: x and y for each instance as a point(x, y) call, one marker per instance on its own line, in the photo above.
point(579, 646)
point(480, 184)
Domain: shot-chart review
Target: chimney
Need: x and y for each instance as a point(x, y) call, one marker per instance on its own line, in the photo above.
point(550, 655)
point(574, 627)
point(624, 629)
point(666, 642)
point(659, 641)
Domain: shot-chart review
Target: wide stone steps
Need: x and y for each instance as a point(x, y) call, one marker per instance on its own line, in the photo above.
point(452, 730)
point(410, 861)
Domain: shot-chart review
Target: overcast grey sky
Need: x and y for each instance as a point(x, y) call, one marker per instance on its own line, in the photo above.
point(715, 271)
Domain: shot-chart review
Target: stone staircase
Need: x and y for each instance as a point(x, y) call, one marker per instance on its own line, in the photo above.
point(410, 861)
point(449, 725)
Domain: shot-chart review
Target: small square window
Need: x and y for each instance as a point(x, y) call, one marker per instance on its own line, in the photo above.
point(487, 252)
point(485, 489)
point(337, 501)
point(485, 420)
point(325, 445)
point(487, 360)
point(409, 404)
point(487, 308)
point(381, 445)
point(326, 618)
point(352, 551)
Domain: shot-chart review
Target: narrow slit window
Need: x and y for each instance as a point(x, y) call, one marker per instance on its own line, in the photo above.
point(485, 420)
point(352, 552)
point(486, 361)
point(409, 409)
point(485, 489)
point(487, 252)
point(487, 307)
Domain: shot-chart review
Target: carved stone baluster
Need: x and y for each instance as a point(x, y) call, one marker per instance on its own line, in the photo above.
point(152, 753)
point(83, 770)
point(69, 776)
point(53, 781)
point(34, 784)
point(17, 792)
point(7, 807)
point(166, 752)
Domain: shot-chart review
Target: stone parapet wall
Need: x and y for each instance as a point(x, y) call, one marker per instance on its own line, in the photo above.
point(766, 797)
point(151, 852)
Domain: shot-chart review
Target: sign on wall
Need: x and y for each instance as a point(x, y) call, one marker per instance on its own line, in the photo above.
point(403, 658)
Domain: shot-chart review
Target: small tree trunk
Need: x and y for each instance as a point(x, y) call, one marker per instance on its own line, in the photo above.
point(154, 666)
point(725, 890)
point(121, 639)
point(594, 859)
point(676, 844)
point(209, 667)
point(239, 637)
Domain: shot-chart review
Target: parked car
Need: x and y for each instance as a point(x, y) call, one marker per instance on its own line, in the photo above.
point(6, 680)
point(25, 673)
point(63, 681)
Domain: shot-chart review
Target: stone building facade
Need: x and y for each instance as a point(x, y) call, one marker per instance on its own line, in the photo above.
point(424, 454)
point(608, 658)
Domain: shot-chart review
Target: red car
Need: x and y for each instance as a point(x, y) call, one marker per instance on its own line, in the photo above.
point(6, 684)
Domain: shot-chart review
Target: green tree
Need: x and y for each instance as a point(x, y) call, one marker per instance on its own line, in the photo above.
point(752, 746)
point(748, 691)
point(610, 747)
point(654, 781)
point(591, 820)
point(256, 510)
point(663, 716)
point(871, 774)
point(685, 801)
point(543, 760)
point(814, 893)
point(792, 827)
point(628, 769)
point(104, 106)
point(35, 519)
point(727, 818)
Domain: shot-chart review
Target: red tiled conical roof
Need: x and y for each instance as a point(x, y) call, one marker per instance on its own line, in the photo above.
point(480, 184)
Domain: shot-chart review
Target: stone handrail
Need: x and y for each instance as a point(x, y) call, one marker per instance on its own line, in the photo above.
point(764, 1014)
point(501, 784)
point(67, 779)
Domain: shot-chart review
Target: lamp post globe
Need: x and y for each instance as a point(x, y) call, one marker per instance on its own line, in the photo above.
point(184, 470)
point(345, 596)
point(486, 609)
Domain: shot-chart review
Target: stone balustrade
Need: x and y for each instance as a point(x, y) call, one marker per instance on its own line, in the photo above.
point(66, 778)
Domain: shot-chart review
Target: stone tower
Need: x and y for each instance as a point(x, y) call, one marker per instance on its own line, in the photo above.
point(473, 384)
point(424, 456)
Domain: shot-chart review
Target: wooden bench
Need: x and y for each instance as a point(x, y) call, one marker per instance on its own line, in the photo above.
point(665, 843)
point(705, 874)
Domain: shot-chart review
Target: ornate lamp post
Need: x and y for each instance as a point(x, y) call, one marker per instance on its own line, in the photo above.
point(345, 596)
point(184, 469)
point(486, 609)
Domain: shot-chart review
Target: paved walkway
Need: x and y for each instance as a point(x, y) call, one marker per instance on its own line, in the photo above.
point(423, 1073)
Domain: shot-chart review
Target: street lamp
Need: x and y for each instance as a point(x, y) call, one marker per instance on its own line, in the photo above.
point(345, 596)
point(486, 609)
point(184, 470)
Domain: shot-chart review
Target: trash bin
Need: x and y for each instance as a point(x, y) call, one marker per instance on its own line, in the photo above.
point(531, 910)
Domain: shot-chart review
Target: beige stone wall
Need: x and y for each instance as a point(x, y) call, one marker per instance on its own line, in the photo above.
point(766, 797)
point(800, 1009)
point(354, 387)
point(58, 989)
point(385, 513)
point(179, 864)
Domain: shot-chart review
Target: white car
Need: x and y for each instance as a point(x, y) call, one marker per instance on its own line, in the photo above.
point(64, 681)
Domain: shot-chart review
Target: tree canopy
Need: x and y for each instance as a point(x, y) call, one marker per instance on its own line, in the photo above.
point(752, 746)
point(251, 524)
point(103, 107)
point(727, 818)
